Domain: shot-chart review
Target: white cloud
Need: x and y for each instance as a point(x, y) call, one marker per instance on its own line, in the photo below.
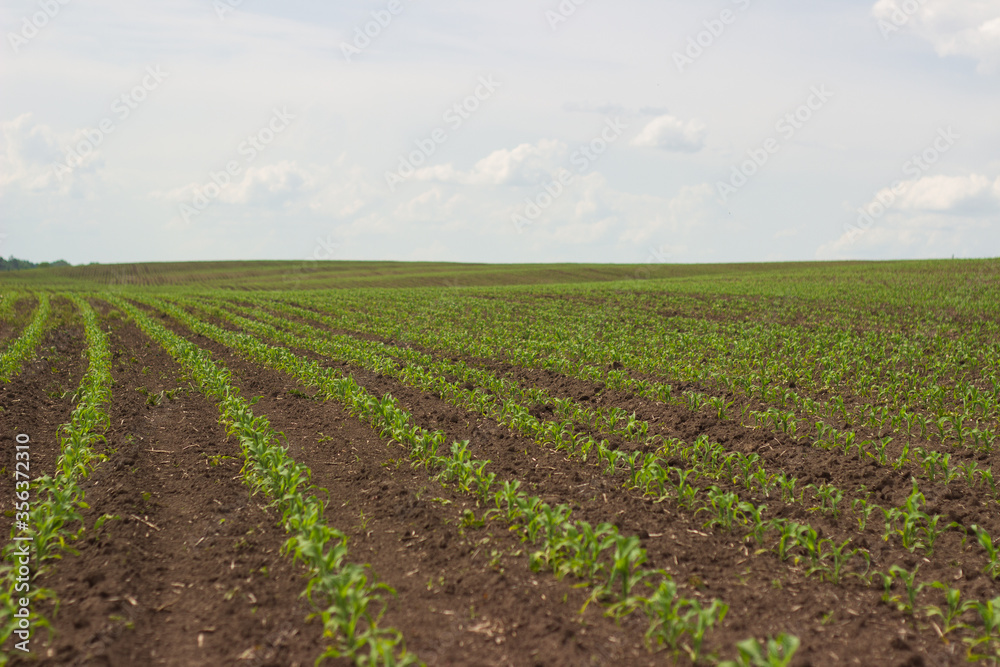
point(949, 193)
point(926, 217)
point(322, 189)
point(921, 235)
point(433, 204)
point(226, 76)
point(672, 134)
point(612, 109)
point(28, 154)
point(526, 164)
point(272, 183)
point(592, 212)
point(966, 28)
point(970, 193)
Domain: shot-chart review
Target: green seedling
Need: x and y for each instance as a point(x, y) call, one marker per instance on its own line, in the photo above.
point(992, 551)
point(951, 614)
point(775, 652)
point(911, 586)
point(989, 637)
point(863, 510)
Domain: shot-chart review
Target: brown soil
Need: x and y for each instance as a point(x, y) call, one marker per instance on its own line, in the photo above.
point(36, 401)
point(760, 590)
point(191, 573)
point(465, 596)
point(19, 316)
point(781, 453)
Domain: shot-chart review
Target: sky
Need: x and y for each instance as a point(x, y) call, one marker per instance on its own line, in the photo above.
point(634, 131)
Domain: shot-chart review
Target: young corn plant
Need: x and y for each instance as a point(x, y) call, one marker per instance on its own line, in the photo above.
point(505, 499)
point(721, 405)
point(774, 652)
point(951, 614)
point(903, 458)
point(787, 486)
point(790, 535)
point(625, 575)
point(700, 620)
point(686, 491)
point(838, 556)
point(663, 609)
point(989, 635)
point(808, 538)
point(890, 516)
point(880, 446)
point(584, 546)
point(829, 497)
point(862, 511)
point(754, 514)
point(910, 585)
point(932, 530)
point(724, 505)
point(992, 550)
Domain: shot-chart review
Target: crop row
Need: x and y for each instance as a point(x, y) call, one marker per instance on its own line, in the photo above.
point(914, 527)
point(765, 358)
point(345, 597)
point(8, 301)
point(755, 361)
point(930, 461)
point(502, 403)
point(564, 546)
point(48, 520)
point(24, 345)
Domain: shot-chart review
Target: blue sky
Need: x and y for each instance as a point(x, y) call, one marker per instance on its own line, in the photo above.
point(521, 131)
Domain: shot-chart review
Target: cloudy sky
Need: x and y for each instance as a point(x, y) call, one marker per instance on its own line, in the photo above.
point(515, 131)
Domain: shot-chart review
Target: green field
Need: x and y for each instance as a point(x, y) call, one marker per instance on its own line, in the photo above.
point(331, 275)
point(765, 464)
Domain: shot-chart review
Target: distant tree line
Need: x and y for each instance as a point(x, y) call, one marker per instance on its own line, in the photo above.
point(15, 264)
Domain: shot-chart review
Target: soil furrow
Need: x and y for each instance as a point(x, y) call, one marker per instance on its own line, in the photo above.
point(811, 465)
point(190, 573)
point(38, 400)
point(465, 593)
point(715, 564)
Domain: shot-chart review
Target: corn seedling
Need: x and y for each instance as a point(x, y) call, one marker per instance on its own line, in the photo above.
point(989, 637)
point(992, 551)
point(775, 652)
point(910, 585)
point(725, 507)
point(950, 615)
